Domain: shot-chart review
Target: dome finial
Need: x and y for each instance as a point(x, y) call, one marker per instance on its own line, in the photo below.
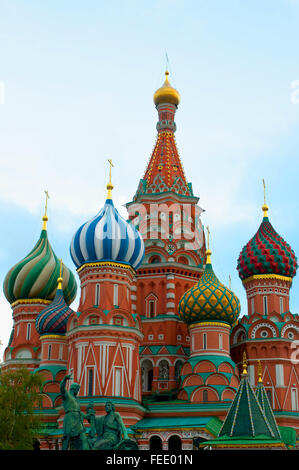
point(208, 251)
point(60, 279)
point(265, 207)
point(244, 364)
point(110, 185)
point(45, 217)
point(260, 371)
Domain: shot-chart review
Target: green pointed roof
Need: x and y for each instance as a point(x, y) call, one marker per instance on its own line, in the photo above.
point(246, 417)
point(267, 409)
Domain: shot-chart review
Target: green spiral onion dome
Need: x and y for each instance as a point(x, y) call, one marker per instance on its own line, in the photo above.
point(209, 300)
point(35, 276)
point(266, 253)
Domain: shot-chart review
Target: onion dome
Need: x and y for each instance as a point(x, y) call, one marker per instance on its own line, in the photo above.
point(266, 253)
point(167, 94)
point(35, 276)
point(53, 318)
point(209, 300)
point(107, 237)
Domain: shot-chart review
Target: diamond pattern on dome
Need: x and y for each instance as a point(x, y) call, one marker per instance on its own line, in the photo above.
point(209, 300)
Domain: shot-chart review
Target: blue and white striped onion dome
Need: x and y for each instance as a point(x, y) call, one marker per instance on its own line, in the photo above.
point(107, 237)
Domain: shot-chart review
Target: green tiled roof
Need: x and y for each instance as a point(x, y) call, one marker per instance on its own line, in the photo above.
point(246, 418)
point(267, 409)
point(172, 422)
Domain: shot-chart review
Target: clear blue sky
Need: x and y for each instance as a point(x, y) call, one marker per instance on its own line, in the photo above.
point(78, 79)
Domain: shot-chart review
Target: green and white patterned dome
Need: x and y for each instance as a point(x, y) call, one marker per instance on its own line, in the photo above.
point(35, 276)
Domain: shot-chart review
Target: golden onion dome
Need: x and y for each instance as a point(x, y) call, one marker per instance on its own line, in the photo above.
point(167, 94)
point(209, 300)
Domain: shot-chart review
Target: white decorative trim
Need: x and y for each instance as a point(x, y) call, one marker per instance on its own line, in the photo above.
point(261, 325)
point(287, 327)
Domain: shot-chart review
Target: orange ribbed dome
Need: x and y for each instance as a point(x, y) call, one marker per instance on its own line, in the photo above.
point(167, 94)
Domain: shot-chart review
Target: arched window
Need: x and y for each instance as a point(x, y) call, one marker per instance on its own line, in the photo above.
point(174, 443)
point(205, 396)
point(147, 375)
point(155, 443)
point(155, 259)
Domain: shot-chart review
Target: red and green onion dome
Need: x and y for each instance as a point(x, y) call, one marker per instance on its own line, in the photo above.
point(35, 276)
point(266, 253)
point(209, 300)
point(52, 320)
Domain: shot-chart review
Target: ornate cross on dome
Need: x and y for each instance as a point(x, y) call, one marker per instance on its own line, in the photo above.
point(208, 232)
point(110, 185)
point(45, 217)
point(265, 207)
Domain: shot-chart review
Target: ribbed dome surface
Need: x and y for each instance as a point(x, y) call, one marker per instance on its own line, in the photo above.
point(35, 276)
point(209, 300)
point(53, 318)
point(266, 253)
point(107, 237)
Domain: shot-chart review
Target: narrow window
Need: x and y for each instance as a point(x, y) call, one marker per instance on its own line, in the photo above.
point(205, 396)
point(90, 382)
point(252, 306)
point(204, 337)
point(151, 308)
point(294, 398)
point(220, 342)
point(60, 352)
point(265, 305)
point(49, 351)
point(115, 294)
point(281, 304)
point(97, 296)
point(28, 331)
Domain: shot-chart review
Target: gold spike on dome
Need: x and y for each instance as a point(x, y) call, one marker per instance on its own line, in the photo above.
point(244, 363)
point(208, 251)
point(110, 185)
point(260, 371)
point(265, 208)
point(60, 279)
point(167, 94)
point(45, 217)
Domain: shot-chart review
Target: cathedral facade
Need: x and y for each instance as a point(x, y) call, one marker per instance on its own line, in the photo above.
point(156, 331)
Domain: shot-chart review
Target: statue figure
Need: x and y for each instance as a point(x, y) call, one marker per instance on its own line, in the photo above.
point(73, 430)
point(110, 430)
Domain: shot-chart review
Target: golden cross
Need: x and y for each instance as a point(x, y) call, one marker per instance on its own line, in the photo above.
point(264, 184)
point(47, 197)
point(208, 232)
point(111, 165)
point(60, 269)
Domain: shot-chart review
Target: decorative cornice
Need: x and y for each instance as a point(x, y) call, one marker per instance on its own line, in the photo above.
point(31, 301)
point(210, 323)
point(106, 263)
point(52, 337)
point(267, 276)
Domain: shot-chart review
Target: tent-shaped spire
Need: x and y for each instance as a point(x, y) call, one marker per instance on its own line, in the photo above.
point(246, 417)
point(265, 404)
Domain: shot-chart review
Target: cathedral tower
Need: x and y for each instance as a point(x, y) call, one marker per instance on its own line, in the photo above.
point(168, 217)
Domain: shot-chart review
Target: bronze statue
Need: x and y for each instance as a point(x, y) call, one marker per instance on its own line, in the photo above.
point(110, 430)
point(73, 430)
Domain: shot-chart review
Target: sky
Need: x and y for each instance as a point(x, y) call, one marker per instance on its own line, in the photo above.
point(77, 80)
